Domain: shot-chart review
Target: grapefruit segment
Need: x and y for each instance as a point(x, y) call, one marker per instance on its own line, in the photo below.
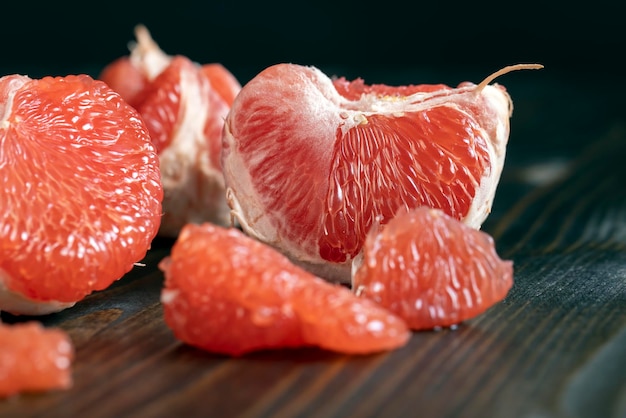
point(159, 102)
point(431, 270)
point(222, 80)
point(227, 293)
point(34, 359)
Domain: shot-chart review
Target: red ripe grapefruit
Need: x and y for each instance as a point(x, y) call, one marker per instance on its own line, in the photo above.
point(431, 270)
point(80, 190)
point(184, 105)
point(227, 293)
point(34, 358)
point(310, 165)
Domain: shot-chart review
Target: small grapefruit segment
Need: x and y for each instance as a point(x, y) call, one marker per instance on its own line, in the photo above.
point(80, 190)
point(310, 164)
point(431, 270)
point(34, 358)
point(227, 293)
point(184, 105)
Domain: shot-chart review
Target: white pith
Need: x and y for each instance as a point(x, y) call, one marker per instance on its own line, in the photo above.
point(15, 83)
point(17, 304)
point(146, 55)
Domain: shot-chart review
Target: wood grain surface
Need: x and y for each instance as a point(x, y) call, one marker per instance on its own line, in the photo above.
point(555, 347)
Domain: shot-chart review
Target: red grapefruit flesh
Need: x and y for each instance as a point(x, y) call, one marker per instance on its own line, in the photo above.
point(184, 105)
point(228, 293)
point(125, 78)
point(160, 102)
point(310, 164)
point(34, 359)
point(80, 191)
point(355, 89)
point(431, 270)
point(223, 81)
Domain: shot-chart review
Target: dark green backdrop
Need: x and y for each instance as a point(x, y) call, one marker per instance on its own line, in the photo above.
point(358, 37)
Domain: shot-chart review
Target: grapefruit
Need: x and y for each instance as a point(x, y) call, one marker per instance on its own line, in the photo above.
point(184, 105)
point(310, 164)
point(80, 191)
point(430, 269)
point(227, 293)
point(34, 358)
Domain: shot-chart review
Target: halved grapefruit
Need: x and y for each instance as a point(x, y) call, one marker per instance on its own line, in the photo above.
point(80, 191)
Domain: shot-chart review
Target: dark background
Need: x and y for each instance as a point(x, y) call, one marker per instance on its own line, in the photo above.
point(387, 41)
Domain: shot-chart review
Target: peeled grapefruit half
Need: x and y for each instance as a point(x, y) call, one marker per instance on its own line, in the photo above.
point(80, 191)
point(311, 163)
point(184, 105)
